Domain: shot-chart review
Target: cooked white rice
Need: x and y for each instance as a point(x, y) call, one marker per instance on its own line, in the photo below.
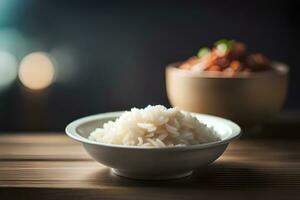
point(154, 126)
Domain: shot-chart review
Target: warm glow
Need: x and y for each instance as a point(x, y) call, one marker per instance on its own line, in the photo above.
point(36, 71)
point(8, 69)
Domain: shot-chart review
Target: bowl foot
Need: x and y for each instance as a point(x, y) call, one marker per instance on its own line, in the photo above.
point(138, 176)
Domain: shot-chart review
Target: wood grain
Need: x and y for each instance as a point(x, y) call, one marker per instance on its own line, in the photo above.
point(53, 166)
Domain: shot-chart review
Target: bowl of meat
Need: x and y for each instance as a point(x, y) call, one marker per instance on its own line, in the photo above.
point(228, 81)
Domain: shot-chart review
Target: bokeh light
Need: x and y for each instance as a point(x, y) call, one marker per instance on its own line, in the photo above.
point(66, 64)
point(8, 69)
point(37, 71)
point(12, 40)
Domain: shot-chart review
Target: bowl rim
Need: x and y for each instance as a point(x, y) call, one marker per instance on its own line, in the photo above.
point(72, 133)
point(279, 69)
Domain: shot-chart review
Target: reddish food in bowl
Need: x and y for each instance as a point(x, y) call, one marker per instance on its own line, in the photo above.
point(227, 56)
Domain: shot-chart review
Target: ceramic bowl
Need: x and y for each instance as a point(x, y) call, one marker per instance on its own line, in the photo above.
point(153, 163)
point(248, 99)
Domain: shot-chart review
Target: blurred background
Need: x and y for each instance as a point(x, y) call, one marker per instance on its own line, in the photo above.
point(60, 60)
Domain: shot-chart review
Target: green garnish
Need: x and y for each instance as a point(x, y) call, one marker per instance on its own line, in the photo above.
point(228, 43)
point(224, 45)
point(203, 52)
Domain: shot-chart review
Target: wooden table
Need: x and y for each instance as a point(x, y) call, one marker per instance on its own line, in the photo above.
point(52, 166)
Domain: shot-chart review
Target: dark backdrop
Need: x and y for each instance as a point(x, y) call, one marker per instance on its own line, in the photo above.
point(115, 51)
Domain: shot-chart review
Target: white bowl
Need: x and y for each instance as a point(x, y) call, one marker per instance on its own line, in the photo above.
point(153, 163)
